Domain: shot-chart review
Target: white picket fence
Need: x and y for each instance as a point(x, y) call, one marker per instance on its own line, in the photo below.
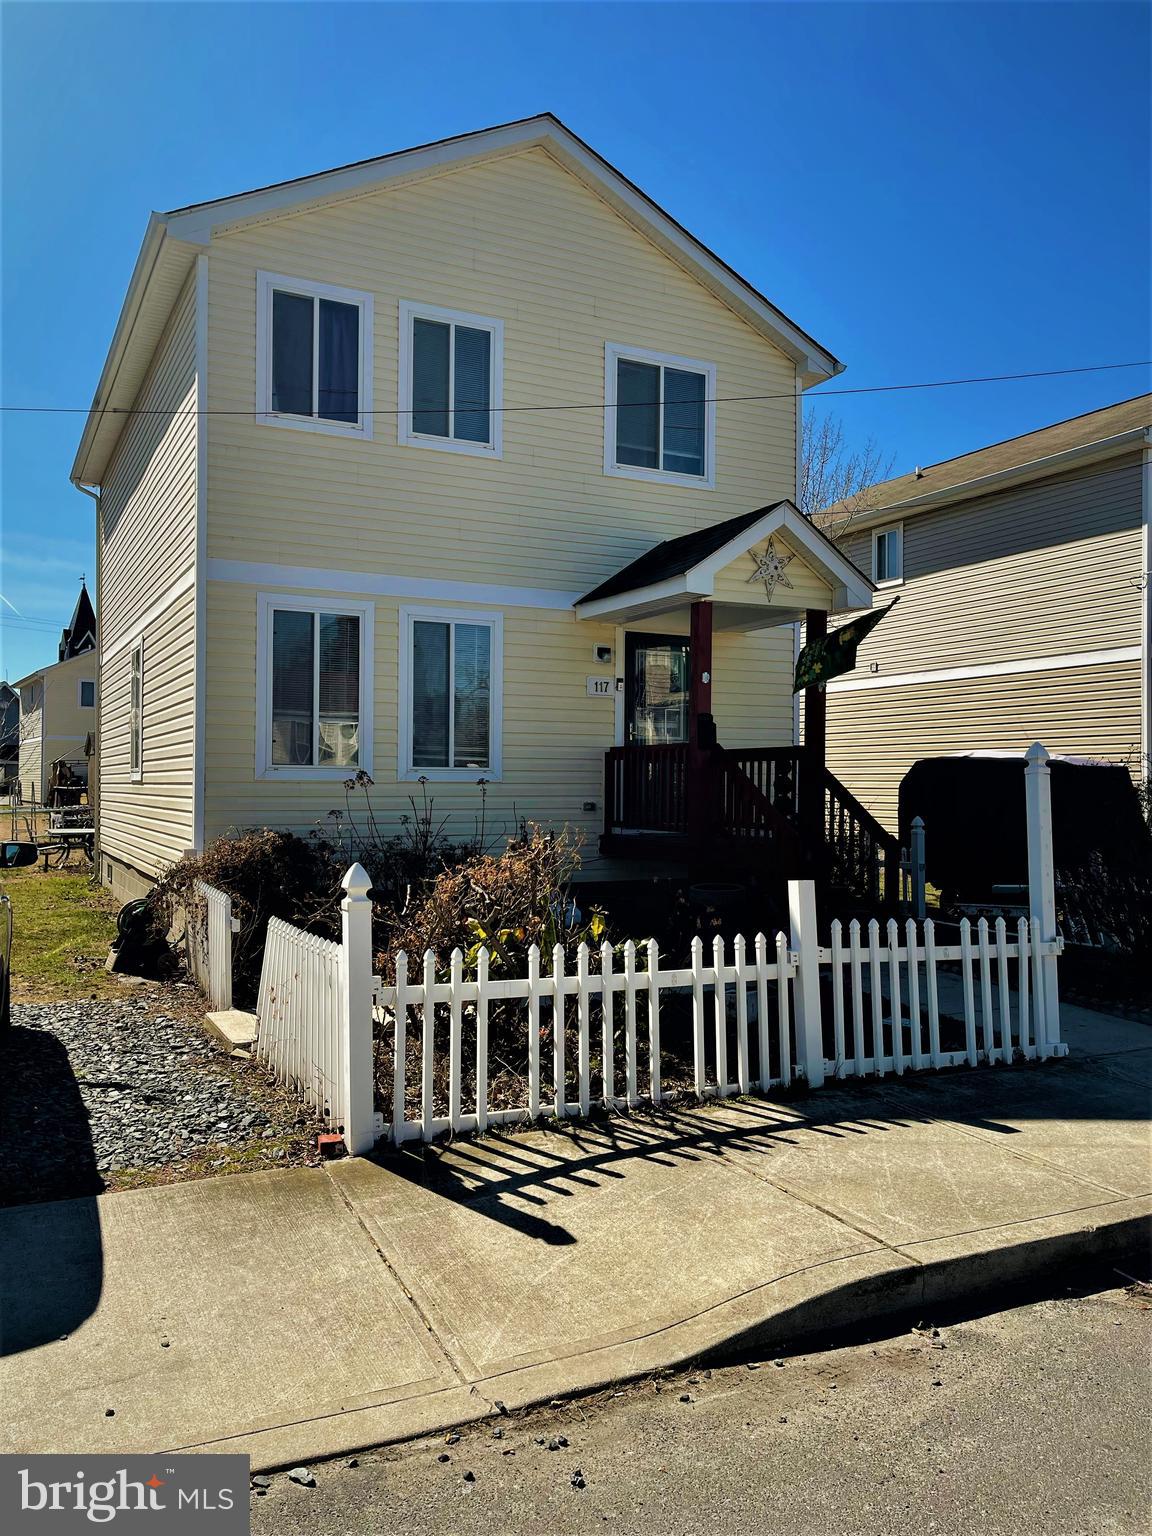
point(754, 1016)
point(208, 930)
point(301, 1013)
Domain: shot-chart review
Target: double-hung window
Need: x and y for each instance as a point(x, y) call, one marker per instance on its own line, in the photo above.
point(313, 356)
point(660, 422)
point(888, 555)
point(450, 694)
point(86, 693)
point(314, 669)
point(451, 386)
point(136, 713)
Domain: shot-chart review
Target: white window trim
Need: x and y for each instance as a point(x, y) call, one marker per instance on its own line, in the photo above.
point(406, 770)
point(336, 603)
point(136, 716)
point(80, 681)
point(405, 436)
point(265, 283)
point(877, 534)
point(612, 355)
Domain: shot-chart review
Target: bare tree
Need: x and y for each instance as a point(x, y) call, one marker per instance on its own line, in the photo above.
point(831, 473)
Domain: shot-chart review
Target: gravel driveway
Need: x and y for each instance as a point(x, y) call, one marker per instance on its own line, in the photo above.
point(97, 1095)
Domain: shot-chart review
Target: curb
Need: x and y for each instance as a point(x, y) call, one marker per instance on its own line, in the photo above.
point(794, 1311)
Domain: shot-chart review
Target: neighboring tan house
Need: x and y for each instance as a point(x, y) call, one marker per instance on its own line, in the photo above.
point(58, 706)
point(339, 533)
point(1023, 576)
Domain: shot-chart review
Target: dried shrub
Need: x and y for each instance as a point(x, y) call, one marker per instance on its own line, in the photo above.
point(504, 902)
point(267, 874)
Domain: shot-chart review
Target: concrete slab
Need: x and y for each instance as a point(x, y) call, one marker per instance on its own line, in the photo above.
point(233, 1026)
point(186, 1315)
point(598, 1246)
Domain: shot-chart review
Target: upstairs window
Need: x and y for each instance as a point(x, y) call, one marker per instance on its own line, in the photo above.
point(888, 555)
point(660, 421)
point(315, 703)
point(451, 367)
point(87, 693)
point(314, 352)
point(450, 668)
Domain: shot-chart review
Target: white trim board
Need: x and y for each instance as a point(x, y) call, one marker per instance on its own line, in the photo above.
point(384, 584)
point(987, 669)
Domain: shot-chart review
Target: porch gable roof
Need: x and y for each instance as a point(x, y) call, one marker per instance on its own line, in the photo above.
point(688, 565)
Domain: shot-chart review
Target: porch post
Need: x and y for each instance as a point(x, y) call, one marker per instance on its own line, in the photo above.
point(701, 733)
point(811, 797)
point(700, 665)
point(815, 699)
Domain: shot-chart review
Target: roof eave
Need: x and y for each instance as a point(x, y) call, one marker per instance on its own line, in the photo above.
point(1000, 479)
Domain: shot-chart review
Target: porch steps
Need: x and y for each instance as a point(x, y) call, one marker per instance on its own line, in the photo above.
point(232, 1027)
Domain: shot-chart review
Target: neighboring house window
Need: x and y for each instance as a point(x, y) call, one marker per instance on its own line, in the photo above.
point(136, 714)
point(451, 380)
point(313, 356)
point(87, 698)
point(660, 422)
point(450, 694)
point(315, 663)
point(29, 698)
point(888, 554)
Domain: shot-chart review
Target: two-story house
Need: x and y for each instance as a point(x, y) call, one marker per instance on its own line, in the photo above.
point(465, 463)
point(57, 717)
point(1023, 571)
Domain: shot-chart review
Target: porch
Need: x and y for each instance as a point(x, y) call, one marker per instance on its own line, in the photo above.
point(672, 789)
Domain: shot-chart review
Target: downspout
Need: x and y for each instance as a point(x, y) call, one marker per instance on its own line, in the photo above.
point(94, 760)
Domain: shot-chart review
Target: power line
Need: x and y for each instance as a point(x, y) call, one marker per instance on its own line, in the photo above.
point(817, 393)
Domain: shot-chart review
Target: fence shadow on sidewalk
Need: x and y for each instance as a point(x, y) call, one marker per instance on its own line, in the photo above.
point(516, 1175)
point(51, 1253)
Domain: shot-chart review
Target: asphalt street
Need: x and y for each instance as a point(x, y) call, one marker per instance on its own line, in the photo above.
point(1030, 1419)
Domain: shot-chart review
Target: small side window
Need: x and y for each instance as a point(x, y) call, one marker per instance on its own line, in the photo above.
point(87, 693)
point(888, 555)
point(136, 714)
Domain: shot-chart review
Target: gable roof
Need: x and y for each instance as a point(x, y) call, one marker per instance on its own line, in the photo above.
point(697, 557)
point(172, 241)
point(80, 636)
point(1095, 434)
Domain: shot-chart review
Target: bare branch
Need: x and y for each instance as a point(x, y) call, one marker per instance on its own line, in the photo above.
point(833, 474)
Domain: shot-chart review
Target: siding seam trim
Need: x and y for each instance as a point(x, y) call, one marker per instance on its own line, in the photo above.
point(989, 669)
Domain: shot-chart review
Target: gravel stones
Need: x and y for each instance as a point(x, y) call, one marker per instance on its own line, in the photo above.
point(91, 1087)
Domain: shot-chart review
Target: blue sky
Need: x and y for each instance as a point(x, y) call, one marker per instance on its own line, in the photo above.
point(932, 190)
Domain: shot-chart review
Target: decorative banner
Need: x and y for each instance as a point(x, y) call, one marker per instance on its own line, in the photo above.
point(770, 569)
point(833, 654)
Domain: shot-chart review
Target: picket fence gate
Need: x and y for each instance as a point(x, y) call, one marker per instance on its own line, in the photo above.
point(208, 929)
point(760, 1015)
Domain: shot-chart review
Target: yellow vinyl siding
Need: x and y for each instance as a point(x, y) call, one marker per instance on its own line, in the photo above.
point(149, 824)
point(148, 503)
point(554, 735)
point(875, 735)
point(1049, 569)
point(148, 517)
point(520, 240)
point(807, 590)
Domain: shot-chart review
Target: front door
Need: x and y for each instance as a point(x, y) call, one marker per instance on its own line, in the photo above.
point(656, 681)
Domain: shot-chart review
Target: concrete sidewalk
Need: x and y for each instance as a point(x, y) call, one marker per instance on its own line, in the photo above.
point(304, 1313)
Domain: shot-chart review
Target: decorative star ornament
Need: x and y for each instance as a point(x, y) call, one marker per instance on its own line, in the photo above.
point(770, 569)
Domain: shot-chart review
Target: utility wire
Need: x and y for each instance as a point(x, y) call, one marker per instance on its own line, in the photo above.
point(34, 621)
point(817, 393)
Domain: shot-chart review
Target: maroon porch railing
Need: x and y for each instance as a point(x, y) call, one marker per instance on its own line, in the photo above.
point(646, 789)
point(776, 796)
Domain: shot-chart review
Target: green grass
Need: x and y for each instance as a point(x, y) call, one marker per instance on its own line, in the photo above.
point(62, 928)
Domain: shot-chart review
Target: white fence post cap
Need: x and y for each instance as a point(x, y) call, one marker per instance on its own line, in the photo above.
point(356, 883)
point(1038, 753)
